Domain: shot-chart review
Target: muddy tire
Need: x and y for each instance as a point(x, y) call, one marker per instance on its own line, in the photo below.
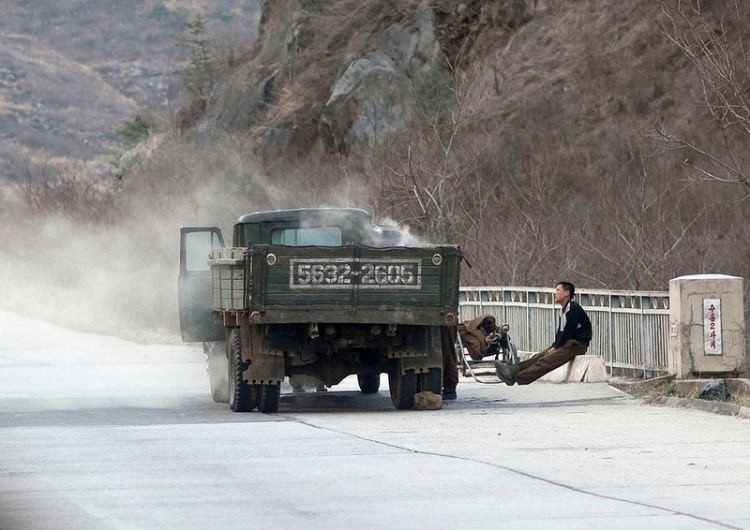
point(268, 398)
point(402, 386)
point(368, 383)
point(432, 381)
point(241, 395)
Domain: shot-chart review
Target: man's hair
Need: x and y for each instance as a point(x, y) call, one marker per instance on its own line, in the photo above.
point(568, 287)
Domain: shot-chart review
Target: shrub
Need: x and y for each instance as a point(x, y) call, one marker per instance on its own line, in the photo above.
point(133, 132)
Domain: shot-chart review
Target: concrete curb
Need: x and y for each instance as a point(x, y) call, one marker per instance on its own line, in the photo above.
point(620, 390)
point(715, 407)
point(641, 387)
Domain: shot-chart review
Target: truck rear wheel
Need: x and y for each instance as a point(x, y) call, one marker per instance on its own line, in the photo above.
point(241, 395)
point(402, 386)
point(369, 383)
point(432, 381)
point(268, 397)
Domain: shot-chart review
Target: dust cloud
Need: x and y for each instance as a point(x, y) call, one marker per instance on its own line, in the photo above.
point(118, 275)
point(404, 236)
point(118, 278)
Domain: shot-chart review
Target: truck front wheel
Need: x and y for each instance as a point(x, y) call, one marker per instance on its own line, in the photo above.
point(241, 395)
point(402, 385)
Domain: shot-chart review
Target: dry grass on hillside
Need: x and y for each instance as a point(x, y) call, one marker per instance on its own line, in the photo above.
point(554, 134)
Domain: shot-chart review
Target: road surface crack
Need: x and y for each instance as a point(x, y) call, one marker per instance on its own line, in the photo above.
point(517, 472)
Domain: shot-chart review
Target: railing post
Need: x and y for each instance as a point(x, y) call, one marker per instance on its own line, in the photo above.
point(505, 307)
point(608, 355)
point(555, 316)
point(643, 339)
point(528, 323)
point(612, 335)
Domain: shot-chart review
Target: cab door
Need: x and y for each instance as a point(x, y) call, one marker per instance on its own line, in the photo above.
point(194, 292)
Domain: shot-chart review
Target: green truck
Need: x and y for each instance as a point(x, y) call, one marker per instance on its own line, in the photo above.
point(320, 292)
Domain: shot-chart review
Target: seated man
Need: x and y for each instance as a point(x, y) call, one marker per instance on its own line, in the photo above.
point(572, 338)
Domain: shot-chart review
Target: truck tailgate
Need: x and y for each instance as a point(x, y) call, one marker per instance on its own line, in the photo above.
point(404, 285)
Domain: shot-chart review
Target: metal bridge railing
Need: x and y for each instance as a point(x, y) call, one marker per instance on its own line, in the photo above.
point(630, 328)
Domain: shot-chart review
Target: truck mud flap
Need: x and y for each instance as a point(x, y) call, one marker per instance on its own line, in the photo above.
point(265, 370)
point(265, 367)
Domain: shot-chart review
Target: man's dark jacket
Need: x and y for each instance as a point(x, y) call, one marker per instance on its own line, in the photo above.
point(577, 326)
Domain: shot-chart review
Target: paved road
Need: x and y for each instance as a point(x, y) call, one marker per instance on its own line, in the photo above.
point(101, 433)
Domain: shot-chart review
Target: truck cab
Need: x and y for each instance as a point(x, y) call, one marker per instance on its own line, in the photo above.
point(305, 227)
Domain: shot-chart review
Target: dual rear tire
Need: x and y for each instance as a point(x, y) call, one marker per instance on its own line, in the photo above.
point(369, 383)
point(268, 397)
point(244, 397)
point(404, 384)
point(432, 381)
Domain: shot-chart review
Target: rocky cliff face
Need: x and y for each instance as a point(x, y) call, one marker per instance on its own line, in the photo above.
point(337, 74)
point(373, 93)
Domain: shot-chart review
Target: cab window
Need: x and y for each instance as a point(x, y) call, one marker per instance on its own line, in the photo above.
point(197, 247)
point(325, 236)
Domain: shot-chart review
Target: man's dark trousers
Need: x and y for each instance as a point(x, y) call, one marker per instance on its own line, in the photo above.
point(544, 362)
point(450, 367)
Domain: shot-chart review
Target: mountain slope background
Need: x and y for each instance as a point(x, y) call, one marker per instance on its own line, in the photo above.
point(72, 71)
point(550, 139)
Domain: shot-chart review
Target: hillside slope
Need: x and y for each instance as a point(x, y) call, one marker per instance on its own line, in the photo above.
point(71, 71)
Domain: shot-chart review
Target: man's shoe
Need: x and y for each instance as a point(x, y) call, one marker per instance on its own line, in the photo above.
point(449, 396)
point(506, 373)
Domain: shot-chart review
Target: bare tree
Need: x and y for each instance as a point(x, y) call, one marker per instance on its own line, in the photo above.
point(648, 224)
point(717, 50)
point(429, 177)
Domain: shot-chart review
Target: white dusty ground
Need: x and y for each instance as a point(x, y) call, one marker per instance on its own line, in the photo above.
point(99, 433)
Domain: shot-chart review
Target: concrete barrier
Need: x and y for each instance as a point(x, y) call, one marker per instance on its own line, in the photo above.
point(706, 325)
point(582, 369)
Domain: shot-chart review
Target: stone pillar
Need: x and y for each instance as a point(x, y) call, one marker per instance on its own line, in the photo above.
point(706, 325)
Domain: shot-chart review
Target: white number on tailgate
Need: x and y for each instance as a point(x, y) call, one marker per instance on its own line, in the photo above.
point(397, 273)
